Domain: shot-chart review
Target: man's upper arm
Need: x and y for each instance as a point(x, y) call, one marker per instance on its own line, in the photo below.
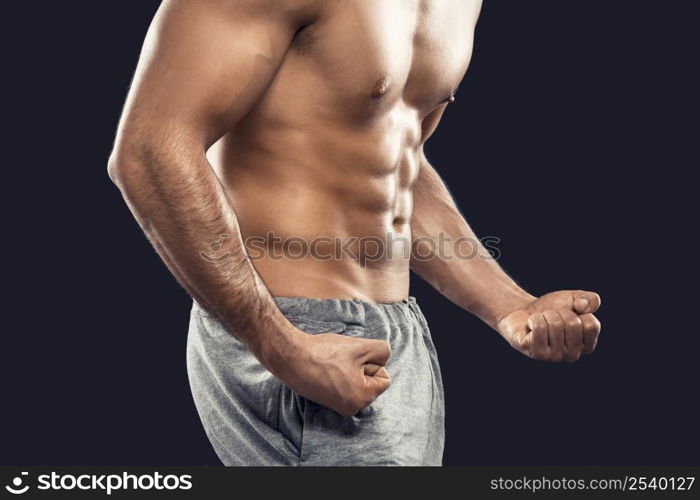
point(204, 64)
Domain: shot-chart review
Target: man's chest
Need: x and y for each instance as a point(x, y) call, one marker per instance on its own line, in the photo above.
point(381, 50)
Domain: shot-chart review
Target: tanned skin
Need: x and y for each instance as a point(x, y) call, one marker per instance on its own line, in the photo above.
point(307, 119)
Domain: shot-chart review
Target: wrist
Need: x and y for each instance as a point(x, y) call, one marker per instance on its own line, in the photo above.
point(282, 349)
point(509, 302)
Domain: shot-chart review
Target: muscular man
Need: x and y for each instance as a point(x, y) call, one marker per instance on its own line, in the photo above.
point(259, 138)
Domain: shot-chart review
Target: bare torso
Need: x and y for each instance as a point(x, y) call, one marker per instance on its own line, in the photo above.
point(313, 114)
point(329, 154)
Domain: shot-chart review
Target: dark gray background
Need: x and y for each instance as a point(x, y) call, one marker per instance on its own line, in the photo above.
point(568, 141)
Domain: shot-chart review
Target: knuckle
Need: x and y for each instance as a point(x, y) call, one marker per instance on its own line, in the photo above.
point(386, 347)
point(553, 319)
point(590, 321)
point(573, 323)
point(557, 337)
point(535, 324)
point(557, 324)
point(596, 324)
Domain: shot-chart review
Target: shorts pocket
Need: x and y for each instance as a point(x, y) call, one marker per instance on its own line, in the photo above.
point(314, 327)
point(207, 324)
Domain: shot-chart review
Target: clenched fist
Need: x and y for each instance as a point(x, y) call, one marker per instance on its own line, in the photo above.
point(558, 326)
point(342, 373)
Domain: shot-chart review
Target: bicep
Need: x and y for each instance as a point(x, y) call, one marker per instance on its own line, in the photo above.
point(204, 64)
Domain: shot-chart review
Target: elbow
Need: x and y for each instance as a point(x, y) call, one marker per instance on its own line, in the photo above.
point(113, 168)
point(123, 171)
point(125, 165)
point(122, 162)
point(136, 159)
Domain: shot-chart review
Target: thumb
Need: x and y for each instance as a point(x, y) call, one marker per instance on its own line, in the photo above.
point(376, 378)
point(586, 302)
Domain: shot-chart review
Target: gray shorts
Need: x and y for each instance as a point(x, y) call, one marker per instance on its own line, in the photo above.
point(251, 418)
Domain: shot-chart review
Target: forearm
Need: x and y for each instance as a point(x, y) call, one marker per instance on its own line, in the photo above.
point(456, 263)
point(181, 206)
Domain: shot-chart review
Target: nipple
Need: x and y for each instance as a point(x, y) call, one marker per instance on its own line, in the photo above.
point(381, 87)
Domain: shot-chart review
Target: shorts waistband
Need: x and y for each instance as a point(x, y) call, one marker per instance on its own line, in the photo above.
point(348, 311)
point(351, 312)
